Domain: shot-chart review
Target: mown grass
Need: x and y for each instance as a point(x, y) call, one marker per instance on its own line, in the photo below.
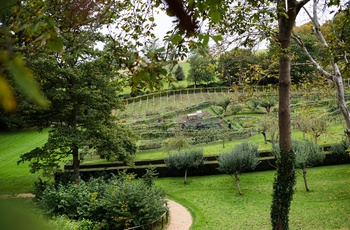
point(16, 179)
point(215, 203)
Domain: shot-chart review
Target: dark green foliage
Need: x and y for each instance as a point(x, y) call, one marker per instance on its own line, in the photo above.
point(82, 98)
point(340, 151)
point(202, 69)
point(184, 159)
point(118, 203)
point(240, 158)
point(283, 189)
point(179, 73)
point(149, 176)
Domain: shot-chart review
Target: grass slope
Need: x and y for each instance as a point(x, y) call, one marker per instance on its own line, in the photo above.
point(15, 178)
point(215, 204)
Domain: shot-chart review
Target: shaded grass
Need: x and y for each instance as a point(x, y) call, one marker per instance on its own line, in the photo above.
point(17, 178)
point(215, 204)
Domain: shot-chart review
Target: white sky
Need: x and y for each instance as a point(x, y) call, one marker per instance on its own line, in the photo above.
point(164, 22)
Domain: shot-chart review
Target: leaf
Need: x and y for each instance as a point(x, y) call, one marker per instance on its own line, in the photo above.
point(56, 44)
point(215, 16)
point(206, 39)
point(217, 38)
point(7, 99)
point(25, 79)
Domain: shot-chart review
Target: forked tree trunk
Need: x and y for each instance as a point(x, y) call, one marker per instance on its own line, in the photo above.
point(305, 182)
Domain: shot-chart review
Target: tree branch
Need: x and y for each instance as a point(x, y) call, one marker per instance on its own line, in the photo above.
point(298, 40)
point(301, 4)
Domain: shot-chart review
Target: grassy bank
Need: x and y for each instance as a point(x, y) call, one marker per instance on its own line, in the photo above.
point(16, 179)
point(215, 203)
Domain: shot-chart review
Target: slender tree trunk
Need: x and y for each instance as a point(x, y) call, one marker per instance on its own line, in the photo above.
point(76, 164)
point(264, 134)
point(185, 177)
point(305, 182)
point(237, 184)
point(75, 150)
point(285, 179)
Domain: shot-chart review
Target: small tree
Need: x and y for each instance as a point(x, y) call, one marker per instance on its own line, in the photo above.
point(242, 157)
point(318, 126)
point(307, 154)
point(268, 103)
point(179, 73)
point(185, 159)
point(177, 143)
point(267, 124)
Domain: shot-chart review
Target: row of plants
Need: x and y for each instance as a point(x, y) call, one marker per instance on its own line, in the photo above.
point(245, 156)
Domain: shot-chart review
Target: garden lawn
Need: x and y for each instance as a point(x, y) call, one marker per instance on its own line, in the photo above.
point(215, 203)
point(15, 179)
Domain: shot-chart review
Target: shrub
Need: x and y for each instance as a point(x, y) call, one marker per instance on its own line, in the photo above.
point(307, 154)
point(234, 109)
point(118, 203)
point(241, 157)
point(185, 159)
point(339, 151)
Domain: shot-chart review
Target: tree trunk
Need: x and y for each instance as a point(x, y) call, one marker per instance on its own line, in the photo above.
point(76, 164)
point(305, 182)
point(285, 179)
point(237, 184)
point(264, 134)
point(185, 177)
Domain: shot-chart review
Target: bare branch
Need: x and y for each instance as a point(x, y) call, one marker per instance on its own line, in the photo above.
point(298, 40)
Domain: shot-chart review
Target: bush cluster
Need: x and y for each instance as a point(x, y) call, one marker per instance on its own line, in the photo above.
point(118, 203)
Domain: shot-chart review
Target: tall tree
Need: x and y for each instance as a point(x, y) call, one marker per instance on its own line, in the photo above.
point(202, 69)
point(287, 12)
point(232, 65)
point(82, 98)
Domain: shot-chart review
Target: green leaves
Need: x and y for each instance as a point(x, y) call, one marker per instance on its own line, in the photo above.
point(215, 16)
point(25, 79)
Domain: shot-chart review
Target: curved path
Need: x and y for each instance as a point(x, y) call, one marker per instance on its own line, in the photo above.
point(180, 217)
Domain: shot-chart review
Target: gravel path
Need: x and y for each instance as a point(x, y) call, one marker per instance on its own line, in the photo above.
point(180, 217)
